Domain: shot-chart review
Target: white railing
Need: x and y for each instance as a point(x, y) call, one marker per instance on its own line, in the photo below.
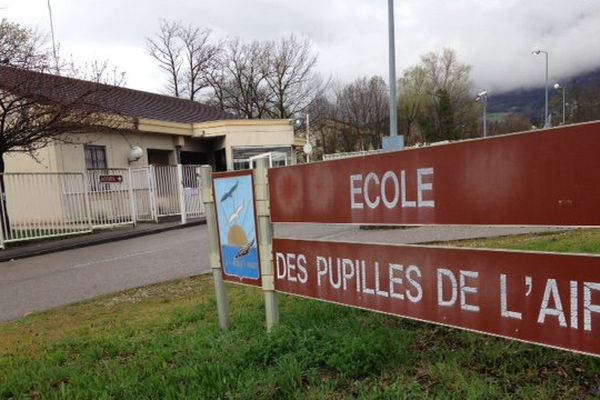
point(337, 156)
point(166, 189)
point(110, 197)
point(43, 205)
point(194, 207)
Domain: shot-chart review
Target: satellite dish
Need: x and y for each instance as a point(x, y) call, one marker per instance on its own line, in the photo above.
point(135, 153)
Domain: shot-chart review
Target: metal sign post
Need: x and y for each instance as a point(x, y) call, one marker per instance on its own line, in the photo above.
point(215, 258)
point(265, 234)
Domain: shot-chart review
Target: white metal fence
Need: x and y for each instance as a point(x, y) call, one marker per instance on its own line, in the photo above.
point(35, 206)
point(337, 156)
point(110, 197)
point(42, 205)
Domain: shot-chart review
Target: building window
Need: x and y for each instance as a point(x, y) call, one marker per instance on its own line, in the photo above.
point(280, 156)
point(95, 157)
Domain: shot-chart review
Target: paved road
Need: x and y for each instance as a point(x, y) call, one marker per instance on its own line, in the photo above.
point(48, 281)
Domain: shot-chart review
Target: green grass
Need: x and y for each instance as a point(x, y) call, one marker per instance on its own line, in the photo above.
point(162, 341)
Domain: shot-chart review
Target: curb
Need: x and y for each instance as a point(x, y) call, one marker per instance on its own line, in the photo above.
point(88, 240)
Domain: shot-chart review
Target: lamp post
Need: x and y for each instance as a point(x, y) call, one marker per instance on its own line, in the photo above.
point(537, 51)
point(393, 142)
point(557, 86)
point(392, 68)
point(483, 98)
point(307, 149)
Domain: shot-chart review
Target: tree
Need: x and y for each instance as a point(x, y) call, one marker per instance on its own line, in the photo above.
point(271, 79)
point(35, 110)
point(166, 48)
point(23, 48)
point(583, 104)
point(201, 57)
point(94, 71)
point(437, 97)
point(239, 81)
point(291, 79)
point(363, 111)
point(186, 54)
point(412, 102)
point(31, 116)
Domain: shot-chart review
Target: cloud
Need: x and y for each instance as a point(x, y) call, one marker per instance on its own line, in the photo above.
point(495, 37)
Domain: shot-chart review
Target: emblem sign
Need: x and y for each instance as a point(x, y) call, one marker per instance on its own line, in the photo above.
point(236, 221)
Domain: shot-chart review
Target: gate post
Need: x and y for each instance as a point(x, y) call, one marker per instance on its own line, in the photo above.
point(87, 182)
point(181, 190)
point(265, 243)
point(215, 258)
point(152, 193)
point(131, 198)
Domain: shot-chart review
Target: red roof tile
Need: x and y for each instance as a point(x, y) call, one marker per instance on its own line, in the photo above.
point(121, 100)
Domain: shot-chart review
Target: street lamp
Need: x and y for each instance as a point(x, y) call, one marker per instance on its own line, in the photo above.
point(307, 147)
point(392, 69)
point(557, 86)
point(483, 98)
point(537, 51)
point(394, 141)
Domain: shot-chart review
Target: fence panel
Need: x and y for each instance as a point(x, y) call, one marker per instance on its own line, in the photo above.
point(166, 190)
point(42, 205)
point(109, 197)
point(337, 156)
point(143, 194)
point(194, 207)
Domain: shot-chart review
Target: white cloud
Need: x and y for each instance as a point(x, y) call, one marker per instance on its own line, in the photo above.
point(495, 37)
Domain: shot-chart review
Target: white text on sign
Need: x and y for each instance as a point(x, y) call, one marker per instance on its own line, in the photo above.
point(390, 190)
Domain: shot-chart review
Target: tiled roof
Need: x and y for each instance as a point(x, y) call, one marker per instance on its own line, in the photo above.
point(124, 101)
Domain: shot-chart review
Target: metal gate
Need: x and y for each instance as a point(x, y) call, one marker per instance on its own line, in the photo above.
point(165, 190)
point(110, 197)
point(194, 207)
point(143, 194)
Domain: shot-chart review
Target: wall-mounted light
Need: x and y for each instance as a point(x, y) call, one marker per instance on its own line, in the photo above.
point(135, 154)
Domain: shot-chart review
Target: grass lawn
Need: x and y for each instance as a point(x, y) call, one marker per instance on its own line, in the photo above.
point(162, 341)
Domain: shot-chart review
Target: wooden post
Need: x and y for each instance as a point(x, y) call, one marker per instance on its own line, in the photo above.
point(265, 234)
point(215, 258)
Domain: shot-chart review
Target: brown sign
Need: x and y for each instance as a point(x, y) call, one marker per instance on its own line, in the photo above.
point(111, 178)
point(543, 298)
point(547, 177)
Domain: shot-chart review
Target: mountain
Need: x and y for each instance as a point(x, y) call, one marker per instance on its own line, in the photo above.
point(530, 102)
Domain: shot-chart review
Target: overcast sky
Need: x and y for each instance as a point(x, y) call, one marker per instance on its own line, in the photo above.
point(494, 36)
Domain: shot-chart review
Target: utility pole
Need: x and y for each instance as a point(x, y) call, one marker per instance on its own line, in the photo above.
point(483, 98)
point(537, 51)
point(54, 52)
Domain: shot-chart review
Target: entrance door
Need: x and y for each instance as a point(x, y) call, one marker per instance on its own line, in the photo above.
point(159, 157)
point(194, 158)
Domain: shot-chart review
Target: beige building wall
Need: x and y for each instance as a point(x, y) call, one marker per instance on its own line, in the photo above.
point(205, 137)
point(43, 161)
point(248, 133)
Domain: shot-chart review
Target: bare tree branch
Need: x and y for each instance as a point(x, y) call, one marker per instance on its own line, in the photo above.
point(167, 49)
